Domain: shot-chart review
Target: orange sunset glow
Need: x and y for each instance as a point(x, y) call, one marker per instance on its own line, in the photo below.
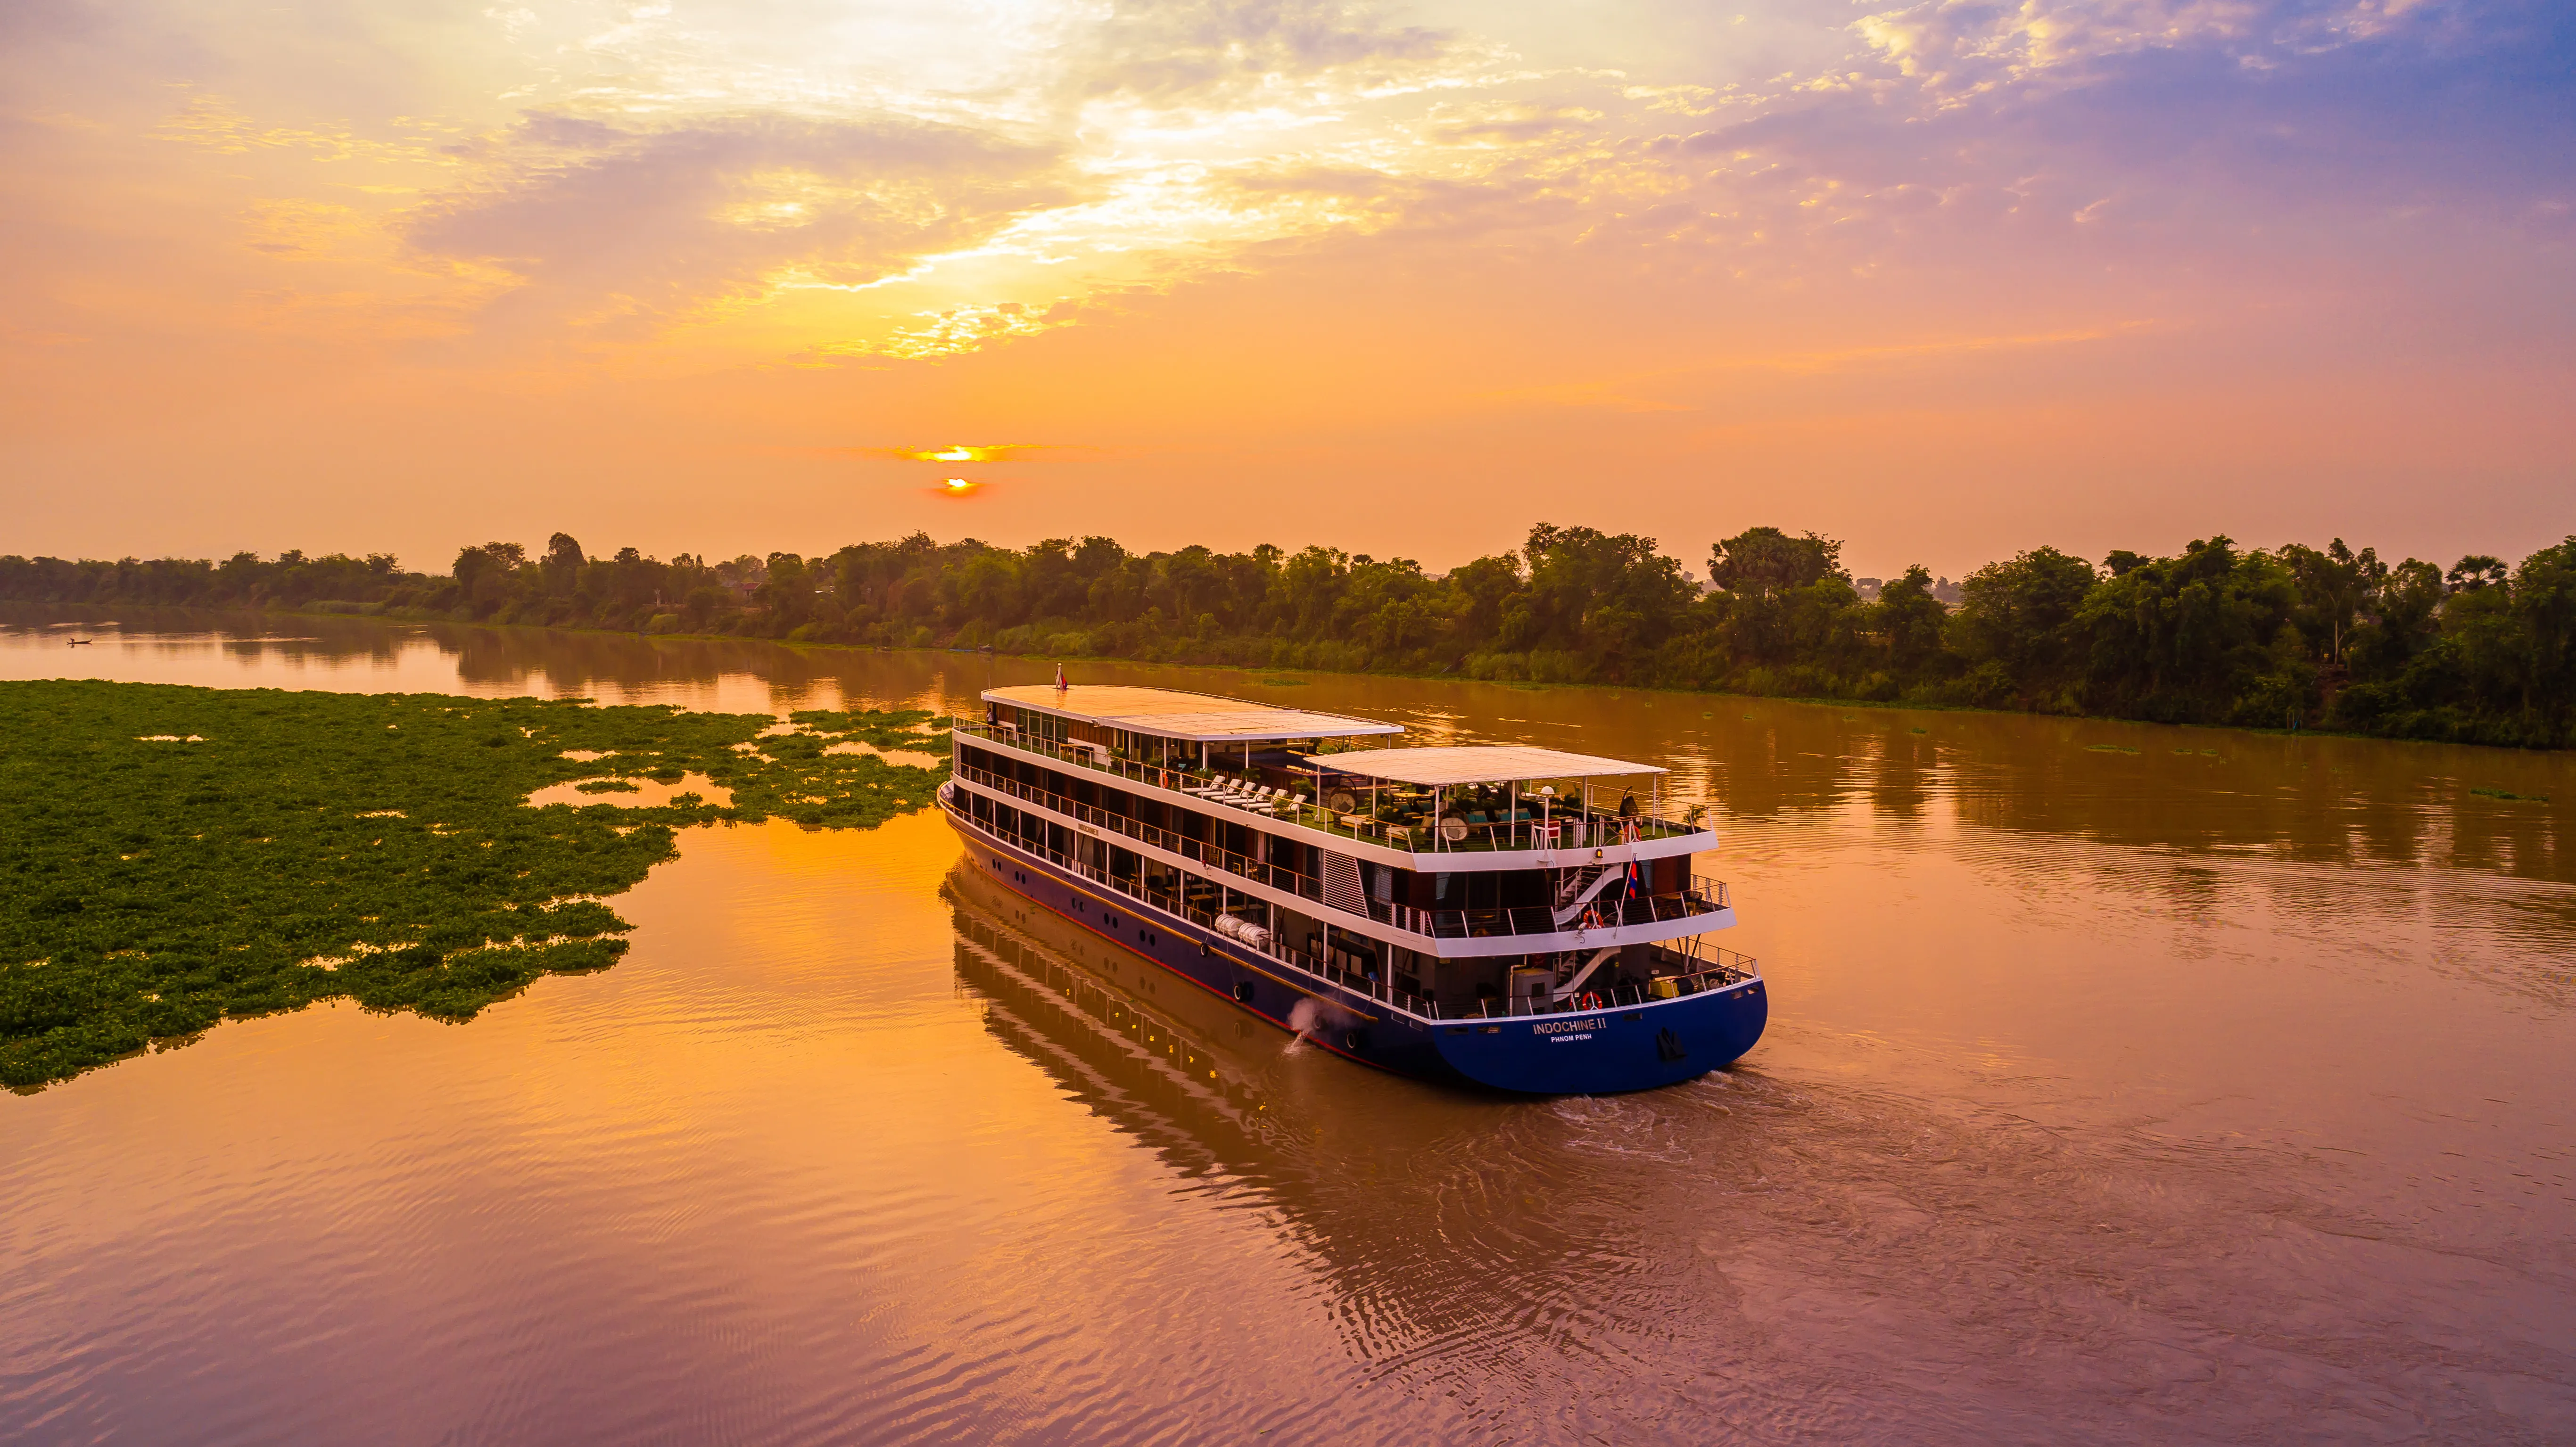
point(1946, 281)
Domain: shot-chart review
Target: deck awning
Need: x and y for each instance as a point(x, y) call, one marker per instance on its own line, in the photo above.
point(1474, 764)
point(1196, 717)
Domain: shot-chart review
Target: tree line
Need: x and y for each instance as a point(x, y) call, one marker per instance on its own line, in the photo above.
point(2293, 636)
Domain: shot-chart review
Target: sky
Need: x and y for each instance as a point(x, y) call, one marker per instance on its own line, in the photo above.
point(1946, 281)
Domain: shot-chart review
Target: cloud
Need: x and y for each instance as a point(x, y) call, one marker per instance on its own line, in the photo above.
point(1510, 124)
point(607, 223)
point(2172, 132)
point(1176, 52)
point(29, 22)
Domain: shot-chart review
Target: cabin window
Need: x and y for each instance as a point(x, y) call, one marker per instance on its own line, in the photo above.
point(1489, 889)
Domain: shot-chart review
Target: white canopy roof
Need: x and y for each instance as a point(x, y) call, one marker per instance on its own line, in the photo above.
point(1197, 717)
point(1474, 764)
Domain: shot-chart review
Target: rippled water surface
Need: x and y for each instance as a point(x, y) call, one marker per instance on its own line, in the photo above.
point(2122, 1083)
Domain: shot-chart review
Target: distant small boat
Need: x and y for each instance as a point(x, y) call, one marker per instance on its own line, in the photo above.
point(81, 642)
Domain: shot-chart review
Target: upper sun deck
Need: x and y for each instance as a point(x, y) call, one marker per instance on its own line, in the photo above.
point(1480, 803)
point(1454, 764)
point(1197, 718)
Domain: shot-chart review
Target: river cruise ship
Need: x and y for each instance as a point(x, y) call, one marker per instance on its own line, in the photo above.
point(1512, 917)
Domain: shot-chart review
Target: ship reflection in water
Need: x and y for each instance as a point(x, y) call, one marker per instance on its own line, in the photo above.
point(1418, 1204)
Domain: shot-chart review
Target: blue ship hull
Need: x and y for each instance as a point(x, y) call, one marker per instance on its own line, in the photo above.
point(1597, 1052)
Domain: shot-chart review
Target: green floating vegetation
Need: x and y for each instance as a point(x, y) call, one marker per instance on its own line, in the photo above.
point(2491, 792)
point(1285, 682)
point(1923, 731)
point(171, 857)
point(610, 786)
point(2110, 748)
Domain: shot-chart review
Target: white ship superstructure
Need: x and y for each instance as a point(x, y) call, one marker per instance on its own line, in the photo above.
point(1420, 897)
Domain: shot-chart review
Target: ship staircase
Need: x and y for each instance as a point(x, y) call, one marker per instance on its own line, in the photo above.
point(1580, 887)
point(1574, 894)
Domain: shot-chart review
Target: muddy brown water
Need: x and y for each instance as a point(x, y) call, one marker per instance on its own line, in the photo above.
point(2123, 1083)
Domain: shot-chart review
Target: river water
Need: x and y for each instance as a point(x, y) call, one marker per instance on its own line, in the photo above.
point(2122, 1082)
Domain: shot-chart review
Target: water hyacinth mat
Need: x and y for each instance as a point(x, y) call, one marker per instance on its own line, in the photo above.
point(172, 856)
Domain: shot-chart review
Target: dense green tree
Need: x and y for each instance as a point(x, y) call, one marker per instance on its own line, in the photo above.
point(1768, 578)
point(563, 564)
point(1610, 597)
point(1914, 626)
point(2474, 572)
point(2334, 587)
point(1480, 590)
point(2018, 629)
point(2193, 639)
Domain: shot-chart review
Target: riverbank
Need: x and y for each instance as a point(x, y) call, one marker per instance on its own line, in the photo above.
point(1264, 671)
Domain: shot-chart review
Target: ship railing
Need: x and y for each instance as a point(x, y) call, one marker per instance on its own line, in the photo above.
point(1675, 977)
point(1181, 906)
point(1704, 897)
point(1676, 972)
point(1562, 826)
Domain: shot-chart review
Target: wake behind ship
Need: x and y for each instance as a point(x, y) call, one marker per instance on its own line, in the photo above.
point(1482, 915)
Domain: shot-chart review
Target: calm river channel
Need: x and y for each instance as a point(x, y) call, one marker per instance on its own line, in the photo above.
point(2123, 1083)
